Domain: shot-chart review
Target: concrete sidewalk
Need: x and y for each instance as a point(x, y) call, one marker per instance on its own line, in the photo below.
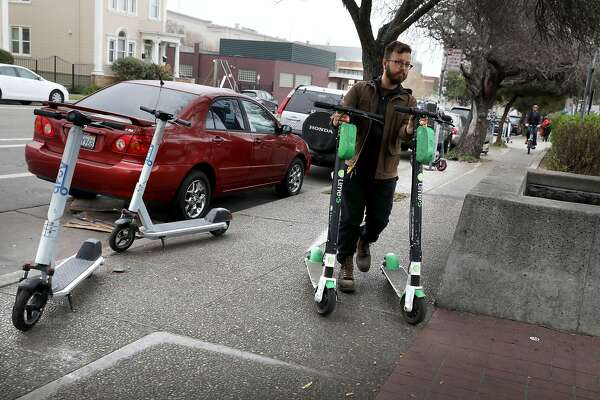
point(233, 317)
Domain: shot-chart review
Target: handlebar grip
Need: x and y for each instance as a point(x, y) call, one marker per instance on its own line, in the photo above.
point(148, 110)
point(49, 114)
point(445, 117)
point(406, 110)
point(183, 122)
point(325, 106)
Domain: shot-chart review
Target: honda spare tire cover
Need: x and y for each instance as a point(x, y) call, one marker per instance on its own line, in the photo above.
point(318, 133)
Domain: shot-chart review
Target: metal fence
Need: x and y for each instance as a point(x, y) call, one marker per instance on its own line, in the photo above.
point(58, 70)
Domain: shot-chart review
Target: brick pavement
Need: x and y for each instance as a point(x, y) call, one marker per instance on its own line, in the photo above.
point(466, 357)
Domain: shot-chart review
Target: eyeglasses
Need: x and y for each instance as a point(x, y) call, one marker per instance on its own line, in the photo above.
point(401, 63)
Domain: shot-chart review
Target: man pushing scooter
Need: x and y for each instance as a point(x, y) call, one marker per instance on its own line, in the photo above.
point(370, 181)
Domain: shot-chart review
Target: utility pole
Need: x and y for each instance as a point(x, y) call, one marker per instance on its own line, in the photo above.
point(588, 84)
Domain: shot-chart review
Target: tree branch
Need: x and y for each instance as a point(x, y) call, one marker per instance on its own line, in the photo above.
point(407, 14)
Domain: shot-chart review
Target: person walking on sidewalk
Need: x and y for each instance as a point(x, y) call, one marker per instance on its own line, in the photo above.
point(532, 122)
point(370, 181)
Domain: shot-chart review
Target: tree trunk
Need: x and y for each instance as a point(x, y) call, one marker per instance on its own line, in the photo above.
point(503, 119)
point(372, 60)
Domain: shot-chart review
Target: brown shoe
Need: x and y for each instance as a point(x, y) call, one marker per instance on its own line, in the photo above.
point(363, 256)
point(346, 277)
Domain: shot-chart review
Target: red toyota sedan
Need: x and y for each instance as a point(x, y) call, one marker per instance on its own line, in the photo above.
point(234, 143)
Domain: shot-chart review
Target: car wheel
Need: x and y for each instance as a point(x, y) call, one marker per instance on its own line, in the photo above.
point(292, 182)
point(193, 196)
point(57, 96)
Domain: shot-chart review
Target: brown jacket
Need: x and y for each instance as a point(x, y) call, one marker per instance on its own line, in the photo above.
point(363, 96)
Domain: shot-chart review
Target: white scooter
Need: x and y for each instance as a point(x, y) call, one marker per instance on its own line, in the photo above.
point(59, 280)
point(126, 228)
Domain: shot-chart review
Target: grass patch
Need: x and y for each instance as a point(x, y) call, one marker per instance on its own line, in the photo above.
point(454, 156)
point(75, 97)
point(500, 145)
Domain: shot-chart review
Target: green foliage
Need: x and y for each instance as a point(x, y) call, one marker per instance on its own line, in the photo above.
point(575, 145)
point(546, 94)
point(455, 156)
point(86, 90)
point(456, 88)
point(6, 57)
point(131, 68)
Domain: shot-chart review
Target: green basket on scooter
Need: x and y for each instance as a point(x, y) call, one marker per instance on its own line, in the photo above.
point(425, 138)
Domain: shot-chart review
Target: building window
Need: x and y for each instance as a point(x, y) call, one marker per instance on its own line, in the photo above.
point(245, 75)
point(20, 40)
point(147, 55)
point(111, 50)
point(186, 70)
point(303, 80)
point(20, 1)
point(121, 40)
point(155, 9)
point(130, 49)
point(286, 80)
point(123, 6)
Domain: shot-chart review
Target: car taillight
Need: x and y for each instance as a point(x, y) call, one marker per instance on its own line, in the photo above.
point(284, 104)
point(43, 127)
point(132, 144)
point(454, 131)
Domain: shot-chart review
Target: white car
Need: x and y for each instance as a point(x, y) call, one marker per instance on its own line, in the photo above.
point(301, 102)
point(24, 85)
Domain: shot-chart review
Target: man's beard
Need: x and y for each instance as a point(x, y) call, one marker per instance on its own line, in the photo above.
point(395, 80)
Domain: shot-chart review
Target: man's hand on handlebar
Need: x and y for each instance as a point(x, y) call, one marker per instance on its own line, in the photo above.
point(338, 118)
point(410, 129)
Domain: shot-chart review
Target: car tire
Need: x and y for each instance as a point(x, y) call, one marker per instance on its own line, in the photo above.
point(56, 95)
point(193, 196)
point(292, 182)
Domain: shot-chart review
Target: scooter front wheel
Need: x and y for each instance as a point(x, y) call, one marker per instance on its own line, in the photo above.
point(122, 237)
point(418, 312)
point(28, 308)
point(327, 304)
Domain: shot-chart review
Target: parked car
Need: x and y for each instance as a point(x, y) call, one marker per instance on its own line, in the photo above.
point(263, 97)
point(515, 123)
point(298, 105)
point(462, 111)
point(234, 143)
point(460, 125)
point(24, 85)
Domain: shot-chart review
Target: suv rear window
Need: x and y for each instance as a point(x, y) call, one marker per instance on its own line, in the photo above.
point(303, 101)
point(126, 99)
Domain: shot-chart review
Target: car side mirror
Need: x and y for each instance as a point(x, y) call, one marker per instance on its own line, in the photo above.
point(285, 129)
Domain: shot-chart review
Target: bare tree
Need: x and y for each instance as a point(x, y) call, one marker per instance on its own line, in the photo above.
point(404, 15)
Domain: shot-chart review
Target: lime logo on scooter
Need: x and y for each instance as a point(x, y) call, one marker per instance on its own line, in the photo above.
point(149, 161)
point(59, 187)
point(340, 183)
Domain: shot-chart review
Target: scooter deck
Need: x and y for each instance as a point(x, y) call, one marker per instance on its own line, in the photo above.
point(182, 228)
point(397, 278)
point(70, 272)
point(315, 270)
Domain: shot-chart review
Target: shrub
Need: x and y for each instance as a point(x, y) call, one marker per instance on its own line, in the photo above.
point(6, 57)
point(575, 145)
point(129, 68)
point(154, 72)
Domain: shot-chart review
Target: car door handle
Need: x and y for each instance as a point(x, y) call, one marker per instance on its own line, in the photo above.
point(218, 139)
point(257, 140)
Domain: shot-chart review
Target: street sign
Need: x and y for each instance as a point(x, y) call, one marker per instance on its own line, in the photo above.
point(453, 59)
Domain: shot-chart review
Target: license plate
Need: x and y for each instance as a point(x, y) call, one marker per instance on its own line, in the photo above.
point(88, 141)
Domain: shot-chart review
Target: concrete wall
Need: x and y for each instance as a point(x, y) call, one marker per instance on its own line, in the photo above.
point(525, 258)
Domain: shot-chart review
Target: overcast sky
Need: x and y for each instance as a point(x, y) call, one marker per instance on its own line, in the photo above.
point(316, 21)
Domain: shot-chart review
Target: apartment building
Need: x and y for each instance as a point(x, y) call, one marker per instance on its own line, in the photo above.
point(95, 32)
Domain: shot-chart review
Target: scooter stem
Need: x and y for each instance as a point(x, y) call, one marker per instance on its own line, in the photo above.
point(140, 187)
point(46, 247)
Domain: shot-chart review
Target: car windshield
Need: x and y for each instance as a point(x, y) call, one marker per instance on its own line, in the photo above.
point(126, 98)
point(303, 101)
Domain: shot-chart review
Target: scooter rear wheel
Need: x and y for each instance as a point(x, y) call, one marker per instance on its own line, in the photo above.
point(418, 312)
point(28, 308)
point(221, 231)
point(327, 304)
point(122, 237)
point(442, 165)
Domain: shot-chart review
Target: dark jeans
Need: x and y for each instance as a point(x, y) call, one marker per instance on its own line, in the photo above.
point(362, 195)
point(532, 130)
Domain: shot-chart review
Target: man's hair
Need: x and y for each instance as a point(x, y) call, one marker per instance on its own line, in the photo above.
point(396, 47)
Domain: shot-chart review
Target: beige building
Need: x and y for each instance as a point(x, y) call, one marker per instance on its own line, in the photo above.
point(207, 34)
point(95, 32)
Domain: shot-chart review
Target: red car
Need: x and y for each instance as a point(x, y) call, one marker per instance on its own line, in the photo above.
point(234, 143)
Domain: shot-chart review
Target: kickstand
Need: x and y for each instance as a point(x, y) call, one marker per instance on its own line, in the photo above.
point(162, 241)
point(70, 302)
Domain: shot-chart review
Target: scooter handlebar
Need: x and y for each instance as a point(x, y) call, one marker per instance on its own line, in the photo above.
point(49, 114)
point(440, 117)
point(182, 122)
point(148, 110)
point(349, 111)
